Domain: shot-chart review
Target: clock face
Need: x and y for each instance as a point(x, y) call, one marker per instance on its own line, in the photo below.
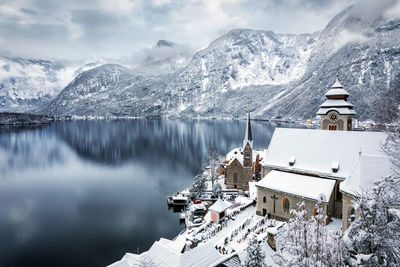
point(333, 116)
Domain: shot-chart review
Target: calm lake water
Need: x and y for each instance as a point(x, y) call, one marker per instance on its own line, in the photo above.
point(83, 193)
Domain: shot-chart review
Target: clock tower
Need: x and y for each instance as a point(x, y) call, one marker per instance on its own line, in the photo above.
point(336, 112)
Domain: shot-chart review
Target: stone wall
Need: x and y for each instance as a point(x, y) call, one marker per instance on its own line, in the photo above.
point(280, 213)
point(347, 210)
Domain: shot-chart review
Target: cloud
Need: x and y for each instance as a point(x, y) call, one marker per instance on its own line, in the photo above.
point(347, 36)
point(77, 29)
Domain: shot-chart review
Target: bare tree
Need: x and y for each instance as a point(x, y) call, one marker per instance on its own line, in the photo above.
point(214, 159)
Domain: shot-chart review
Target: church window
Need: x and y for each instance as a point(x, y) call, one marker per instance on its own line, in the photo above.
point(264, 199)
point(247, 155)
point(235, 178)
point(332, 127)
point(286, 204)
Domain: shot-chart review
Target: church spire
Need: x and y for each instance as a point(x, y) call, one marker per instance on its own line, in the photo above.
point(247, 136)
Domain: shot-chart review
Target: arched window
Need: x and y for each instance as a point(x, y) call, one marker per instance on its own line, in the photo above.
point(264, 199)
point(286, 204)
point(332, 127)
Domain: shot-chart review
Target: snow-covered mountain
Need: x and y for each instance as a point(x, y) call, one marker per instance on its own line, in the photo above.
point(277, 74)
point(109, 89)
point(27, 82)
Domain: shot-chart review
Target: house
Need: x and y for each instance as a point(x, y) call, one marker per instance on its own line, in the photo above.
point(302, 165)
point(243, 164)
point(218, 209)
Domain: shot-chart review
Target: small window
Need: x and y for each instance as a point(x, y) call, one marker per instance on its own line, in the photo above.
point(235, 178)
point(332, 127)
point(264, 199)
point(286, 204)
point(335, 167)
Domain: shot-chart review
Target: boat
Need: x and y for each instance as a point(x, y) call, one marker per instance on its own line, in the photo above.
point(177, 200)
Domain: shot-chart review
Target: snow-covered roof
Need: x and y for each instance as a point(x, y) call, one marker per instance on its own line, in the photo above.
point(299, 185)
point(368, 170)
point(338, 91)
point(316, 150)
point(220, 206)
point(336, 103)
point(236, 153)
point(337, 84)
point(342, 111)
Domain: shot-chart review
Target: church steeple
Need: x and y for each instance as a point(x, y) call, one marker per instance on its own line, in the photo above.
point(336, 112)
point(247, 136)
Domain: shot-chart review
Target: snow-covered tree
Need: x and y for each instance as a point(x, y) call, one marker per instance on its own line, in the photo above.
point(199, 185)
point(217, 190)
point(214, 159)
point(373, 239)
point(387, 105)
point(255, 255)
point(307, 242)
point(291, 242)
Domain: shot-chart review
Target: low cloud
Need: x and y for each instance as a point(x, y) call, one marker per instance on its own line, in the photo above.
point(79, 29)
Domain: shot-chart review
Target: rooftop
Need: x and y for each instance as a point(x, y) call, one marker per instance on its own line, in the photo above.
point(299, 185)
point(368, 170)
point(314, 151)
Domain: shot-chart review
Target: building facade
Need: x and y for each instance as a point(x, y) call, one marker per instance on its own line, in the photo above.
point(336, 112)
point(239, 162)
point(301, 165)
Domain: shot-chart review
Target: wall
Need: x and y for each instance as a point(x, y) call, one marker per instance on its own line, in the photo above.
point(347, 205)
point(279, 211)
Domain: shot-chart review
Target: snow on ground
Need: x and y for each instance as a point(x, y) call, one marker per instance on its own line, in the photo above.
point(215, 242)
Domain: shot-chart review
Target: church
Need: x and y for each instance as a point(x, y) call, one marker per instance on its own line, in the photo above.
point(332, 165)
point(243, 164)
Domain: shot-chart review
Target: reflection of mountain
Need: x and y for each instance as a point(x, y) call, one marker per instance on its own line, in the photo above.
point(24, 149)
point(156, 141)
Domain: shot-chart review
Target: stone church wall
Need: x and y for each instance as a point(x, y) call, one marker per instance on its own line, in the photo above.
point(234, 167)
point(280, 213)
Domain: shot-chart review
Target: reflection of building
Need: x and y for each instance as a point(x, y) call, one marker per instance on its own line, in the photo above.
point(302, 164)
point(242, 164)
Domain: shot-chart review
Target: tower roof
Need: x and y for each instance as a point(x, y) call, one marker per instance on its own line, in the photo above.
point(336, 100)
point(248, 138)
point(337, 90)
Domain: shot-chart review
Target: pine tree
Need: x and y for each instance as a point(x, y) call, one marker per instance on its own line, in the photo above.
point(255, 255)
point(199, 185)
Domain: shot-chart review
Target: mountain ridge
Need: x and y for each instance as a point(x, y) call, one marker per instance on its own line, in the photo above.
point(277, 74)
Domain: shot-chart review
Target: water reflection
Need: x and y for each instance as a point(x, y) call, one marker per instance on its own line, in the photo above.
point(82, 193)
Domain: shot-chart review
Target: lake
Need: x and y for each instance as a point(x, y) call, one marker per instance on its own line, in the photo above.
point(83, 193)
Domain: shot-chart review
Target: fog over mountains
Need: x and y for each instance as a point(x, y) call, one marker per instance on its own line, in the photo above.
point(277, 74)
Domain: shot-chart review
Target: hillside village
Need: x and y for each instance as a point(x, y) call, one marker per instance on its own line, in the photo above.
point(326, 170)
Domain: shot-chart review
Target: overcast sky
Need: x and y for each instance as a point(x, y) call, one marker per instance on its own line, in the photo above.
point(80, 29)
